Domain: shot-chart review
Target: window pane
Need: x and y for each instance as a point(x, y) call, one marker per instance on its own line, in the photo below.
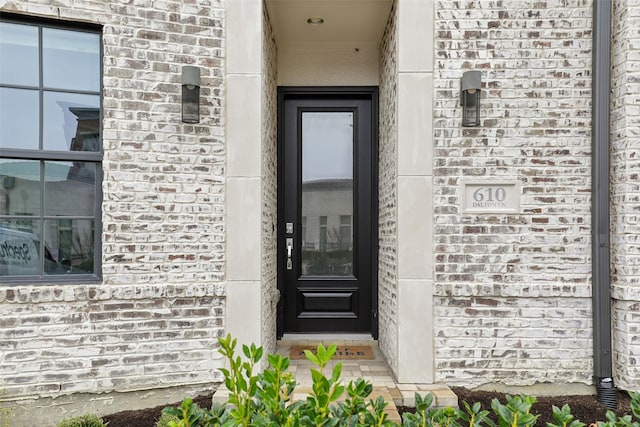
point(19, 248)
point(71, 122)
point(18, 54)
point(19, 187)
point(19, 118)
point(327, 192)
point(70, 60)
point(69, 188)
point(70, 245)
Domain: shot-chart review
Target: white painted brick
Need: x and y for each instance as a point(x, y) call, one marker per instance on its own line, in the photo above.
point(388, 194)
point(270, 294)
point(160, 306)
point(625, 224)
point(514, 288)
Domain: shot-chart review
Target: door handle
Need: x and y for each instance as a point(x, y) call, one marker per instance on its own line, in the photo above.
point(289, 242)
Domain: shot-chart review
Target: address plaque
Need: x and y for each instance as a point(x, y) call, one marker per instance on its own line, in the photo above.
point(491, 196)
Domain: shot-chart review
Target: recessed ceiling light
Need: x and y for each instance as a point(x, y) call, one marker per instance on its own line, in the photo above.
point(315, 20)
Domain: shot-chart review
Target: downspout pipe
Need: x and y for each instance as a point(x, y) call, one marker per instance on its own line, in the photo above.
point(600, 178)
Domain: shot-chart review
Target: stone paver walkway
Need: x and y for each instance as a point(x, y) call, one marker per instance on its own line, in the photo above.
point(376, 371)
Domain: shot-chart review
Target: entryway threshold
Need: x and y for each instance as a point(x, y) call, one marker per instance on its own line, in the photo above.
point(325, 339)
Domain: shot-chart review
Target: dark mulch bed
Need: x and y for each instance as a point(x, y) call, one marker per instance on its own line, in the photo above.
point(585, 408)
point(148, 417)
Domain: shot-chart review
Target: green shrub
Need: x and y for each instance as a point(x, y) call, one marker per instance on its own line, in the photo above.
point(516, 412)
point(264, 399)
point(626, 420)
point(83, 421)
point(563, 418)
point(166, 420)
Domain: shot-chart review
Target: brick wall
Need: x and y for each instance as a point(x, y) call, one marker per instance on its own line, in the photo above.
point(512, 292)
point(68, 339)
point(625, 167)
point(154, 319)
point(388, 195)
point(269, 187)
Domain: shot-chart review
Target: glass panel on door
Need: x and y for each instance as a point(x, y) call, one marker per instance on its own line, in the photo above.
point(327, 193)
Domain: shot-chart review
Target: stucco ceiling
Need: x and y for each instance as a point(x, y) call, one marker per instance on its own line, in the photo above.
point(352, 23)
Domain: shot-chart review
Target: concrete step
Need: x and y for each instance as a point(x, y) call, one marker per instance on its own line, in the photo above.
point(404, 395)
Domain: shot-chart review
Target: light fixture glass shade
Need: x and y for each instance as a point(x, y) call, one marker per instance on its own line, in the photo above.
point(470, 89)
point(190, 94)
point(190, 104)
point(471, 108)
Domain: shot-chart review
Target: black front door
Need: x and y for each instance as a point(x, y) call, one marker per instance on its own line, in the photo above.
point(327, 210)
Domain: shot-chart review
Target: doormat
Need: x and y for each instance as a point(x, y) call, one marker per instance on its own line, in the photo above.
point(343, 352)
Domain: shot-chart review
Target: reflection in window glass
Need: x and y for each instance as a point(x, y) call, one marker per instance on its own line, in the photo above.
point(70, 60)
point(19, 118)
point(323, 234)
point(327, 193)
point(71, 122)
point(19, 53)
point(346, 237)
point(69, 188)
point(327, 146)
point(19, 187)
point(69, 243)
point(304, 231)
point(19, 248)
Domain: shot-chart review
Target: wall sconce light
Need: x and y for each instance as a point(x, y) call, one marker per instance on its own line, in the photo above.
point(190, 94)
point(470, 87)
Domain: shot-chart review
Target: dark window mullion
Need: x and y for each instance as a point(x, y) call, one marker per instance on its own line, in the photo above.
point(40, 147)
point(97, 211)
point(12, 86)
point(70, 156)
point(73, 91)
point(68, 217)
point(40, 91)
point(17, 218)
point(41, 220)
